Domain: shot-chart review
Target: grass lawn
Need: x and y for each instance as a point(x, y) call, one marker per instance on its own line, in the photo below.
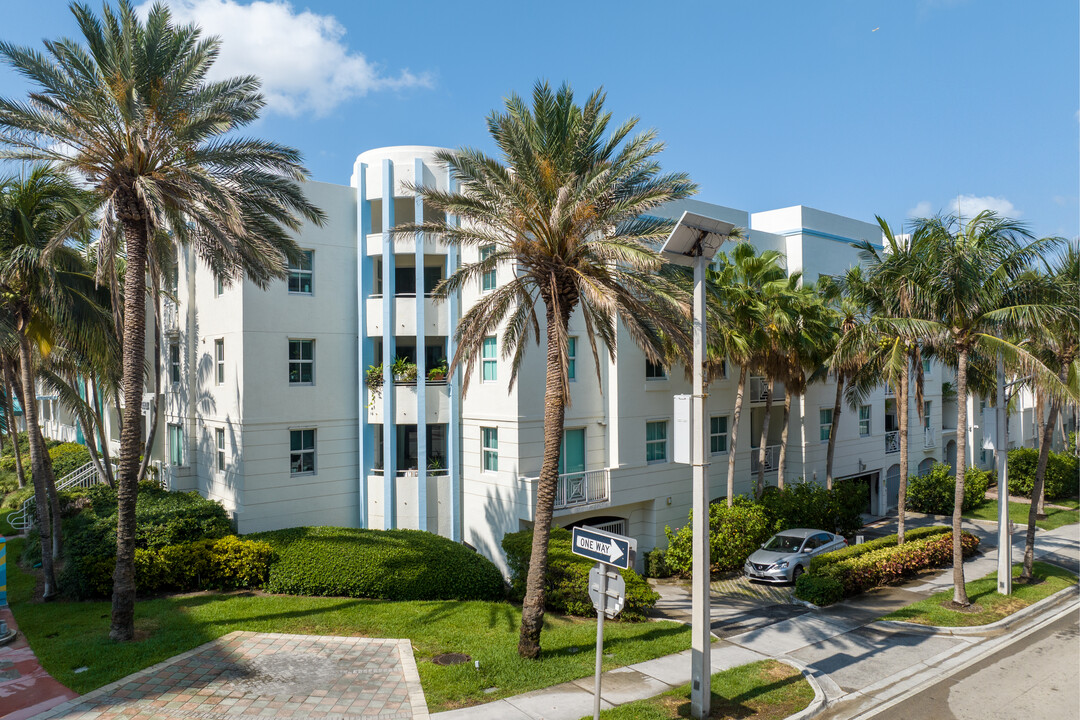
point(984, 592)
point(1018, 512)
point(766, 690)
point(66, 636)
point(5, 529)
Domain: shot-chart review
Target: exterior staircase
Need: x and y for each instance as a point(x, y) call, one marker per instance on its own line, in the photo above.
point(84, 477)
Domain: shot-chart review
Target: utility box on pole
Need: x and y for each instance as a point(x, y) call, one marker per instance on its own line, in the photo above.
point(684, 428)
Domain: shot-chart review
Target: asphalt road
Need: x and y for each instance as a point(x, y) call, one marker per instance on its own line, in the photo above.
point(1037, 677)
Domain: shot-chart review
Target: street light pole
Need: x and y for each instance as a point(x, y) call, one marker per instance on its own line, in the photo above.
point(694, 241)
point(1001, 460)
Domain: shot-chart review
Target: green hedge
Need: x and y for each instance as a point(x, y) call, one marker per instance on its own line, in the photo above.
point(888, 564)
point(810, 505)
point(819, 589)
point(387, 564)
point(7, 460)
point(1062, 473)
point(224, 563)
point(567, 580)
point(734, 533)
point(853, 551)
point(935, 492)
point(67, 458)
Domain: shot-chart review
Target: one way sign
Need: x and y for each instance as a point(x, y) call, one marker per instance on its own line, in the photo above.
point(604, 547)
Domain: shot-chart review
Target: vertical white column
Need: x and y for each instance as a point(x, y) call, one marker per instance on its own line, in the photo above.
point(701, 635)
point(1001, 454)
point(421, 359)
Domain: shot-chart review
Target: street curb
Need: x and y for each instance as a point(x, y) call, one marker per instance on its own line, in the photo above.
point(804, 603)
point(819, 703)
point(995, 628)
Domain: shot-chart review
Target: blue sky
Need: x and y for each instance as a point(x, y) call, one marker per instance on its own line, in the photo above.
point(859, 107)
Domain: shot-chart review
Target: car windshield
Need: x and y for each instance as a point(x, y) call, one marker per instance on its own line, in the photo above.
point(784, 543)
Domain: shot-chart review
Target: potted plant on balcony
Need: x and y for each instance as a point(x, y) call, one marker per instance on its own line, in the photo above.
point(374, 378)
point(438, 373)
point(404, 371)
point(435, 462)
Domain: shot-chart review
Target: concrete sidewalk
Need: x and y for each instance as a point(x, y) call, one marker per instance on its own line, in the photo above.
point(843, 649)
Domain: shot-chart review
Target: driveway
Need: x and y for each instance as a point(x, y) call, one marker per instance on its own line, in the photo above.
point(737, 605)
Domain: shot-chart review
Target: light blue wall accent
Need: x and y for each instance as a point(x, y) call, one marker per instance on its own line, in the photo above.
point(421, 360)
point(364, 279)
point(453, 438)
point(824, 235)
point(389, 349)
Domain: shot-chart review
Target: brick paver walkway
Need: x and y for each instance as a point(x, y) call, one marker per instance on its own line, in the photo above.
point(265, 675)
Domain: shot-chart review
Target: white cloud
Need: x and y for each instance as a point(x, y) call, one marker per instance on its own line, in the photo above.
point(969, 206)
point(921, 210)
point(301, 57)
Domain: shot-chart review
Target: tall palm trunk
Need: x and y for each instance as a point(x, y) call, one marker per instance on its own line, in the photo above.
point(13, 430)
point(134, 350)
point(736, 417)
point(959, 589)
point(152, 434)
point(762, 448)
point(1038, 499)
point(781, 463)
point(903, 414)
point(40, 467)
point(833, 430)
point(532, 609)
point(1038, 488)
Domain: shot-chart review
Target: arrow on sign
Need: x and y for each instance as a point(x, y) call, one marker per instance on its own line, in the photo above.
point(614, 552)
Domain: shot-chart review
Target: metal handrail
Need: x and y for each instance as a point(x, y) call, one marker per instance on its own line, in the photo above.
point(85, 476)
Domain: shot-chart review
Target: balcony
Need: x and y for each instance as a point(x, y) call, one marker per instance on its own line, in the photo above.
point(437, 404)
point(759, 390)
point(772, 458)
point(170, 317)
point(579, 488)
point(892, 442)
point(929, 437)
point(436, 317)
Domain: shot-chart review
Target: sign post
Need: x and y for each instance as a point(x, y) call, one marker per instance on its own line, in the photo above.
point(607, 589)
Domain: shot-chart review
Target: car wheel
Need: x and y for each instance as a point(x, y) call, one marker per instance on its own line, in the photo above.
point(796, 573)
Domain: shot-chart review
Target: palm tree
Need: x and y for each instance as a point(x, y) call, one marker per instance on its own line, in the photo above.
point(9, 410)
point(737, 281)
point(132, 113)
point(1058, 347)
point(977, 291)
point(568, 204)
point(845, 315)
point(43, 293)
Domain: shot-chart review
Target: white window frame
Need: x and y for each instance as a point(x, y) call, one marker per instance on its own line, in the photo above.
point(571, 358)
point(928, 406)
point(825, 428)
point(866, 426)
point(488, 280)
point(299, 273)
point(489, 451)
point(177, 456)
point(176, 371)
point(313, 451)
point(219, 361)
point(726, 434)
point(655, 367)
point(219, 285)
point(492, 361)
point(665, 441)
point(299, 363)
point(219, 451)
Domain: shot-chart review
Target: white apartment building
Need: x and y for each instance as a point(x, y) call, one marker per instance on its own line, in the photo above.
point(272, 406)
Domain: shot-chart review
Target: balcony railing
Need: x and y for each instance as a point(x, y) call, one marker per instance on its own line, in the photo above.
point(582, 488)
point(892, 442)
point(929, 437)
point(412, 473)
point(772, 458)
point(759, 390)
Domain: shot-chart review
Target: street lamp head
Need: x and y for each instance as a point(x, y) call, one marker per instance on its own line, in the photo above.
point(695, 235)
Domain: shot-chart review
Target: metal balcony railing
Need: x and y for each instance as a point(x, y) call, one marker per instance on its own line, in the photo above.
point(772, 458)
point(929, 437)
point(892, 442)
point(759, 390)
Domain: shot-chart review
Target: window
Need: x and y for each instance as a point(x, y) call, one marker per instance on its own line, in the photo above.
point(718, 434)
point(219, 285)
point(301, 362)
point(571, 357)
point(219, 436)
point(488, 361)
point(219, 360)
point(926, 414)
point(487, 280)
point(825, 421)
point(656, 441)
point(864, 421)
point(176, 444)
point(489, 442)
point(174, 362)
point(654, 371)
point(926, 365)
point(301, 279)
point(302, 452)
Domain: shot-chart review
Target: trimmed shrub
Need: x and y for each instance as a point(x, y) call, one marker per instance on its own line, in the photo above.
point(656, 565)
point(7, 462)
point(1062, 473)
point(934, 492)
point(67, 458)
point(890, 564)
point(734, 533)
point(819, 589)
point(853, 551)
point(386, 564)
point(567, 579)
point(810, 505)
